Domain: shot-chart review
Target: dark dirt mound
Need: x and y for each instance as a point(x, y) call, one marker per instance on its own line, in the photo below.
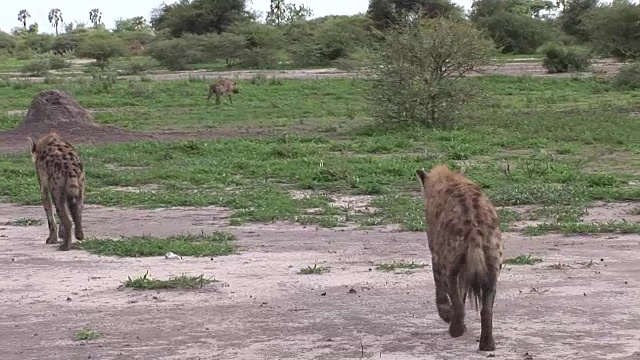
point(55, 110)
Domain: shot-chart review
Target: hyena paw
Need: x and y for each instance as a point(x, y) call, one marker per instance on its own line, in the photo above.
point(456, 330)
point(52, 240)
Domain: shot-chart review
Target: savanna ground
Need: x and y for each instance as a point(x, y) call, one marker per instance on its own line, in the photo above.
point(295, 225)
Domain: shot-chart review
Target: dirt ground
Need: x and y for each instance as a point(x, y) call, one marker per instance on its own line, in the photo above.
point(262, 309)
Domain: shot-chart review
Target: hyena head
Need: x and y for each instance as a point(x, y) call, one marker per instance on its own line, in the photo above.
point(234, 88)
point(436, 173)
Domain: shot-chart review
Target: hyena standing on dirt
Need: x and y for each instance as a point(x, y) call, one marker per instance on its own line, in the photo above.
point(222, 87)
point(61, 176)
point(463, 231)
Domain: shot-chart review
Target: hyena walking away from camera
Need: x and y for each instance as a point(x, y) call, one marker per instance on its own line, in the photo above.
point(463, 231)
point(61, 177)
point(222, 87)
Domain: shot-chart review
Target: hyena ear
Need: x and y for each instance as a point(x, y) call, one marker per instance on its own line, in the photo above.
point(32, 145)
point(422, 177)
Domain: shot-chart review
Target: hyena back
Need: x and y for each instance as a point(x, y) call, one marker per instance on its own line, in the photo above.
point(61, 177)
point(463, 231)
point(221, 88)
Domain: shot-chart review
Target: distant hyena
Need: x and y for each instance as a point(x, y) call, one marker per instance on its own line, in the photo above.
point(61, 176)
point(466, 248)
point(222, 87)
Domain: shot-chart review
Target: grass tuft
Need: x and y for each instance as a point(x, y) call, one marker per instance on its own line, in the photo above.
point(399, 265)
point(86, 333)
point(315, 269)
point(26, 222)
point(144, 282)
point(213, 244)
point(522, 260)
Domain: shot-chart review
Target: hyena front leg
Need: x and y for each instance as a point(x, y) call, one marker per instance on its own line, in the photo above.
point(442, 298)
point(48, 209)
point(230, 99)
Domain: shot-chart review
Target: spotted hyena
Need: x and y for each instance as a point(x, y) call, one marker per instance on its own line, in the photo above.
point(466, 248)
point(222, 87)
point(61, 177)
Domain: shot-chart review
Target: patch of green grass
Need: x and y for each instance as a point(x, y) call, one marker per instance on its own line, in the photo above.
point(556, 142)
point(26, 222)
point(522, 260)
point(613, 226)
point(315, 269)
point(399, 265)
point(86, 333)
point(144, 282)
point(213, 244)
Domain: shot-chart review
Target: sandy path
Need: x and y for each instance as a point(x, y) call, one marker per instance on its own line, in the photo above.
point(263, 310)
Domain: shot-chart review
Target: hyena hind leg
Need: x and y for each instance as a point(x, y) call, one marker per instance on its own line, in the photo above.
point(65, 221)
point(75, 208)
point(51, 221)
point(443, 304)
point(456, 326)
point(486, 316)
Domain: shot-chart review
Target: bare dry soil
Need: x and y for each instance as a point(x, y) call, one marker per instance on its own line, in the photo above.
point(580, 303)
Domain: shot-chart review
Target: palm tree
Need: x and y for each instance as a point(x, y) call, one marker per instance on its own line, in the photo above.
point(95, 15)
point(276, 11)
point(23, 15)
point(55, 18)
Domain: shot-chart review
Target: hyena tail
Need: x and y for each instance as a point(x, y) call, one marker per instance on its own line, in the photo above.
point(73, 188)
point(476, 269)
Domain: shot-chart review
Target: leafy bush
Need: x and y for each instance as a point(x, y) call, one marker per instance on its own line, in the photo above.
point(57, 63)
point(562, 59)
point(38, 67)
point(415, 74)
point(516, 33)
point(25, 54)
point(176, 54)
point(628, 76)
point(134, 67)
point(101, 46)
point(613, 29)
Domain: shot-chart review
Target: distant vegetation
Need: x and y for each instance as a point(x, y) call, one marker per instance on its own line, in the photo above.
point(227, 33)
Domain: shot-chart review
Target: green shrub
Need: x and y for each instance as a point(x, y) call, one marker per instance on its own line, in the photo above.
point(101, 46)
point(562, 59)
point(39, 67)
point(628, 76)
point(176, 54)
point(134, 67)
point(57, 63)
point(415, 74)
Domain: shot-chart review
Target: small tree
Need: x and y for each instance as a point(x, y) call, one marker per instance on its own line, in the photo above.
point(55, 18)
point(101, 46)
point(415, 75)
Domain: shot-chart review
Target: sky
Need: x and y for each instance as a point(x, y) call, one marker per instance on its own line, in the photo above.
point(78, 10)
